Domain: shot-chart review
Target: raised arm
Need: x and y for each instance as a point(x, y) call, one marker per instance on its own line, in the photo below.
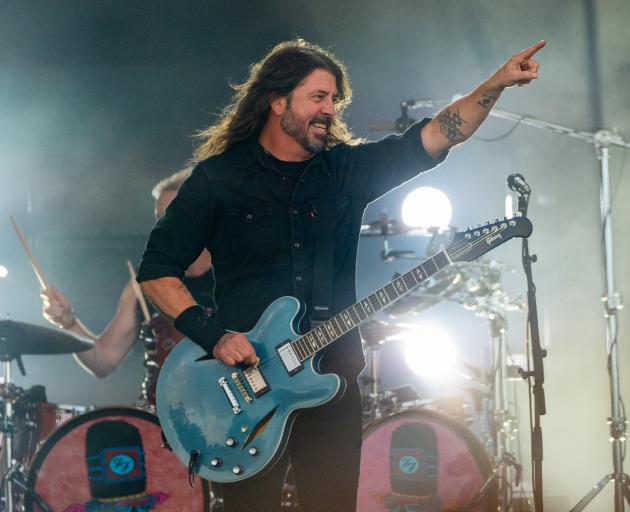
point(112, 345)
point(458, 121)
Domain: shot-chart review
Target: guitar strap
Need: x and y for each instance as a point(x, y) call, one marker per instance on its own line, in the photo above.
point(324, 247)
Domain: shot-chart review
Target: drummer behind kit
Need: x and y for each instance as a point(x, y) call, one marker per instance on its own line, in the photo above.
point(63, 459)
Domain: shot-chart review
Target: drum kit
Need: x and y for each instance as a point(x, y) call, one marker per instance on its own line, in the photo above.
point(418, 453)
point(439, 453)
point(59, 458)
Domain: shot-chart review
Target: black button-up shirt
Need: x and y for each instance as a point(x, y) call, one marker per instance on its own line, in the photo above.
point(260, 228)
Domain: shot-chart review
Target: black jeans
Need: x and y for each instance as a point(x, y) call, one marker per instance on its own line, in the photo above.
point(324, 450)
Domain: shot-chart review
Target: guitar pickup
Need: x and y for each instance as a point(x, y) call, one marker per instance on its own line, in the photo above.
point(236, 408)
point(289, 357)
point(256, 381)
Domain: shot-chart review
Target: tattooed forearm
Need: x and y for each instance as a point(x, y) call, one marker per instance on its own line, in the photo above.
point(450, 123)
point(487, 100)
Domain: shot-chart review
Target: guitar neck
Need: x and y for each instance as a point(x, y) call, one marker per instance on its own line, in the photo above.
point(335, 327)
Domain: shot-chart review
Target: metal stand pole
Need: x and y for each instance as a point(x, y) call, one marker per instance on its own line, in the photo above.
point(7, 438)
point(500, 409)
point(612, 304)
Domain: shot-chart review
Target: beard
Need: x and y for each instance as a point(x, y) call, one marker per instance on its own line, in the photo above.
point(297, 127)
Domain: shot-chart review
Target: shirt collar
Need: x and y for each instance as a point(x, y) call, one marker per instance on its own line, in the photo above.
point(250, 150)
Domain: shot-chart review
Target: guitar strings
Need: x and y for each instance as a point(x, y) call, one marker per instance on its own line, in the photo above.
point(458, 249)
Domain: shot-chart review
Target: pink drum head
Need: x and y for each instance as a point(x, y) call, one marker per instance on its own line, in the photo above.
point(120, 450)
point(421, 460)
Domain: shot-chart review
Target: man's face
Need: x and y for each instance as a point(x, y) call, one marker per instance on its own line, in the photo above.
point(310, 110)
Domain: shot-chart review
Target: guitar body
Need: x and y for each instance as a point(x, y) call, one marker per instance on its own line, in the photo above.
point(196, 413)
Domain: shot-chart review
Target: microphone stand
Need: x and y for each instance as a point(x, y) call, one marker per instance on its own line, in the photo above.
point(602, 140)
point(538, 354)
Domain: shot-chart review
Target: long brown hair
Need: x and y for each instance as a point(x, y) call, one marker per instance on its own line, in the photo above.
point(277, 74)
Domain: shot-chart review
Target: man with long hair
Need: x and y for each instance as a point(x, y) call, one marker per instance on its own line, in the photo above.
point(266, 171)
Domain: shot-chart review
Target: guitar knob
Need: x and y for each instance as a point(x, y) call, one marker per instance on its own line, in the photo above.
point(215, 462)
point(230, 441)
point(253, 450)
point(237, 470)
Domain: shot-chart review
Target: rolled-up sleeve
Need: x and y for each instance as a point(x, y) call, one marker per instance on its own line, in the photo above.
point(181, 234)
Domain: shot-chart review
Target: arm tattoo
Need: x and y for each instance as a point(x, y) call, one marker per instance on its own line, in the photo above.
point(450, 123)
point(487, 100)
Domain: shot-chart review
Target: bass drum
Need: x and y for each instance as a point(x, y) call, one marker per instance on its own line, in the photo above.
point(421, 460)
point(112, 460)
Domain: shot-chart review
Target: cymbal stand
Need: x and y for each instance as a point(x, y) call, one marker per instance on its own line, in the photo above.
point(7, 435)
point(501, 420)
point(372, 380)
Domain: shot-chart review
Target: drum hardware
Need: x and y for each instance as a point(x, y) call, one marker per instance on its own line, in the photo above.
point(489, 300)
point(385, 227)
point(158, 337)
point(15, 475)
point(378, 403)
point(17, 338)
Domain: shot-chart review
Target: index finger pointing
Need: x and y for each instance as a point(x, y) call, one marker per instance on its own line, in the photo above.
point(526, 54)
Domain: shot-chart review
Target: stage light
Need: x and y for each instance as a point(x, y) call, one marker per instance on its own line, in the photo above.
point(427, 207)
point(4, 271)
point(429, 352)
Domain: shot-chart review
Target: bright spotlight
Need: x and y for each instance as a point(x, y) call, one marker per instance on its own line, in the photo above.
point(429, 352)
point(427, 207)
point(4, 271)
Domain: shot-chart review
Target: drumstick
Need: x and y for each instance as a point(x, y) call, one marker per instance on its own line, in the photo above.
point(38, 271)
point(138, 292)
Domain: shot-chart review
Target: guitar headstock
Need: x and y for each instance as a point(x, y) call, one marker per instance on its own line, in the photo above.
point(474, 242)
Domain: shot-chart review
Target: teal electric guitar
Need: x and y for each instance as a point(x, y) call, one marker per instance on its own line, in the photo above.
point(230, 423)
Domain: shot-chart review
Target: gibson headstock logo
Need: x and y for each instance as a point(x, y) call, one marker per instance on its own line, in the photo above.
point(492, 238)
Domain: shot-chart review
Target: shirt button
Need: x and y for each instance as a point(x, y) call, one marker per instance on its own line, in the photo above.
point(294, 211)
point(249, 216)
point(296, 245)
point(298, 278)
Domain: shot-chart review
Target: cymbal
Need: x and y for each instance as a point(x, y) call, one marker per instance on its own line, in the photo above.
point(391, 227)
point(17, 338)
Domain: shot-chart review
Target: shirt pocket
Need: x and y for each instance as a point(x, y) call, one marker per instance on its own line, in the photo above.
point(251, 231)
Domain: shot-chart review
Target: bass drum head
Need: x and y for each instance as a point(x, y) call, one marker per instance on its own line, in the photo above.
point(421, 460)
point(112, 460)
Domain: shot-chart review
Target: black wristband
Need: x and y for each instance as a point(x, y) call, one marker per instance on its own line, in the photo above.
point(200, 327)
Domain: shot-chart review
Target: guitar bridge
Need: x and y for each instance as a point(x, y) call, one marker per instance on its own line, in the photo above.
point(236, 408)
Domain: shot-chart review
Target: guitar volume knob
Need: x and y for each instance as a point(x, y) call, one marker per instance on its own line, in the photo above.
point(237, 470)
point(230, 441)
point(253, 450)
point(215, 462)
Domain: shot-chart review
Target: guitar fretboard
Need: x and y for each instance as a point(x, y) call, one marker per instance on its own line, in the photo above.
point(338, 325)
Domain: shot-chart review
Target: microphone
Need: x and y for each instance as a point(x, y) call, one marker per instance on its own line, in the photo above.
point(517, 183)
